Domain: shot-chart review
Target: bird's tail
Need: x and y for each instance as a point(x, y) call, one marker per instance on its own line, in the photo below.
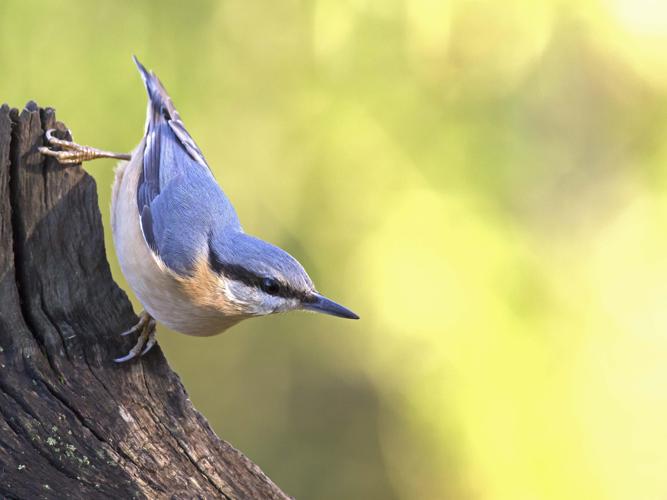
point(161, 109)
point(160, 104)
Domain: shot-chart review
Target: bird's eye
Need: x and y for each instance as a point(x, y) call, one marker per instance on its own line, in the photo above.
point(270, 286)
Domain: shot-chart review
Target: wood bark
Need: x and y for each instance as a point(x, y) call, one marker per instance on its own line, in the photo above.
point(74, 424)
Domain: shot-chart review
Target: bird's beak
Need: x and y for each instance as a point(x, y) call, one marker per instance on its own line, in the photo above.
point(321, 304)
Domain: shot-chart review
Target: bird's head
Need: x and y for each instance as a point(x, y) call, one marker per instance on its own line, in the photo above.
point(258, 278)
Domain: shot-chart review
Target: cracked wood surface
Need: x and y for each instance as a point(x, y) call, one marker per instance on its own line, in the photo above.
point(73, 424)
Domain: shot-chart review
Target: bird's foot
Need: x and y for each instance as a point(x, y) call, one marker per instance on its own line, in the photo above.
point(71, 152)
point(146, 340)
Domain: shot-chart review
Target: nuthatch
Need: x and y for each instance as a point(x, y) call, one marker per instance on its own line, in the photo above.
point(179, 240)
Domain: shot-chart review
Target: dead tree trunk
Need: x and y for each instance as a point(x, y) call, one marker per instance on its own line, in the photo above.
point(73, 424)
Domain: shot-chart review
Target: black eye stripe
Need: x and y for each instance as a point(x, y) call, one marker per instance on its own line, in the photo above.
point(233, 271)
point(247, 277)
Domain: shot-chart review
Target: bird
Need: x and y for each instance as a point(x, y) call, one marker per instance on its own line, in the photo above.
point(179, 240)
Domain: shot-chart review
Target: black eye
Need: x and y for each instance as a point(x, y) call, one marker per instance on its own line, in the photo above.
point(270, 286)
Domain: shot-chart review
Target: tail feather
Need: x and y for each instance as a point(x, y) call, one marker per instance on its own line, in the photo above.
point(161, 107)
point(157, 94)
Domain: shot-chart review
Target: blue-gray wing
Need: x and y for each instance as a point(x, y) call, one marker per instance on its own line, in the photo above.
point(177, 196)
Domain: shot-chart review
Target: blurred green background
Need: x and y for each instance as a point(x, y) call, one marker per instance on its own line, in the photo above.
point(484, 182)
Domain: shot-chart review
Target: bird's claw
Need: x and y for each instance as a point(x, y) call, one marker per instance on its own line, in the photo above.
point(70, 152)
point(149, 344)
point(144, 317)
point(146, 340)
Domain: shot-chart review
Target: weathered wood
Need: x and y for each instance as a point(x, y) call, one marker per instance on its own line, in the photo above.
point(73, 424)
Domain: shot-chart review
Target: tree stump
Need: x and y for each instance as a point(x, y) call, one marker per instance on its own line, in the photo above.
point(74, 424)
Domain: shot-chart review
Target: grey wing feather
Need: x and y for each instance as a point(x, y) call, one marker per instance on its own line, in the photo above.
point(146, 219)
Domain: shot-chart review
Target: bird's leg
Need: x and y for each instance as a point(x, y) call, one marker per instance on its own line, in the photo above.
point(71, 152)
point(146, 340)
